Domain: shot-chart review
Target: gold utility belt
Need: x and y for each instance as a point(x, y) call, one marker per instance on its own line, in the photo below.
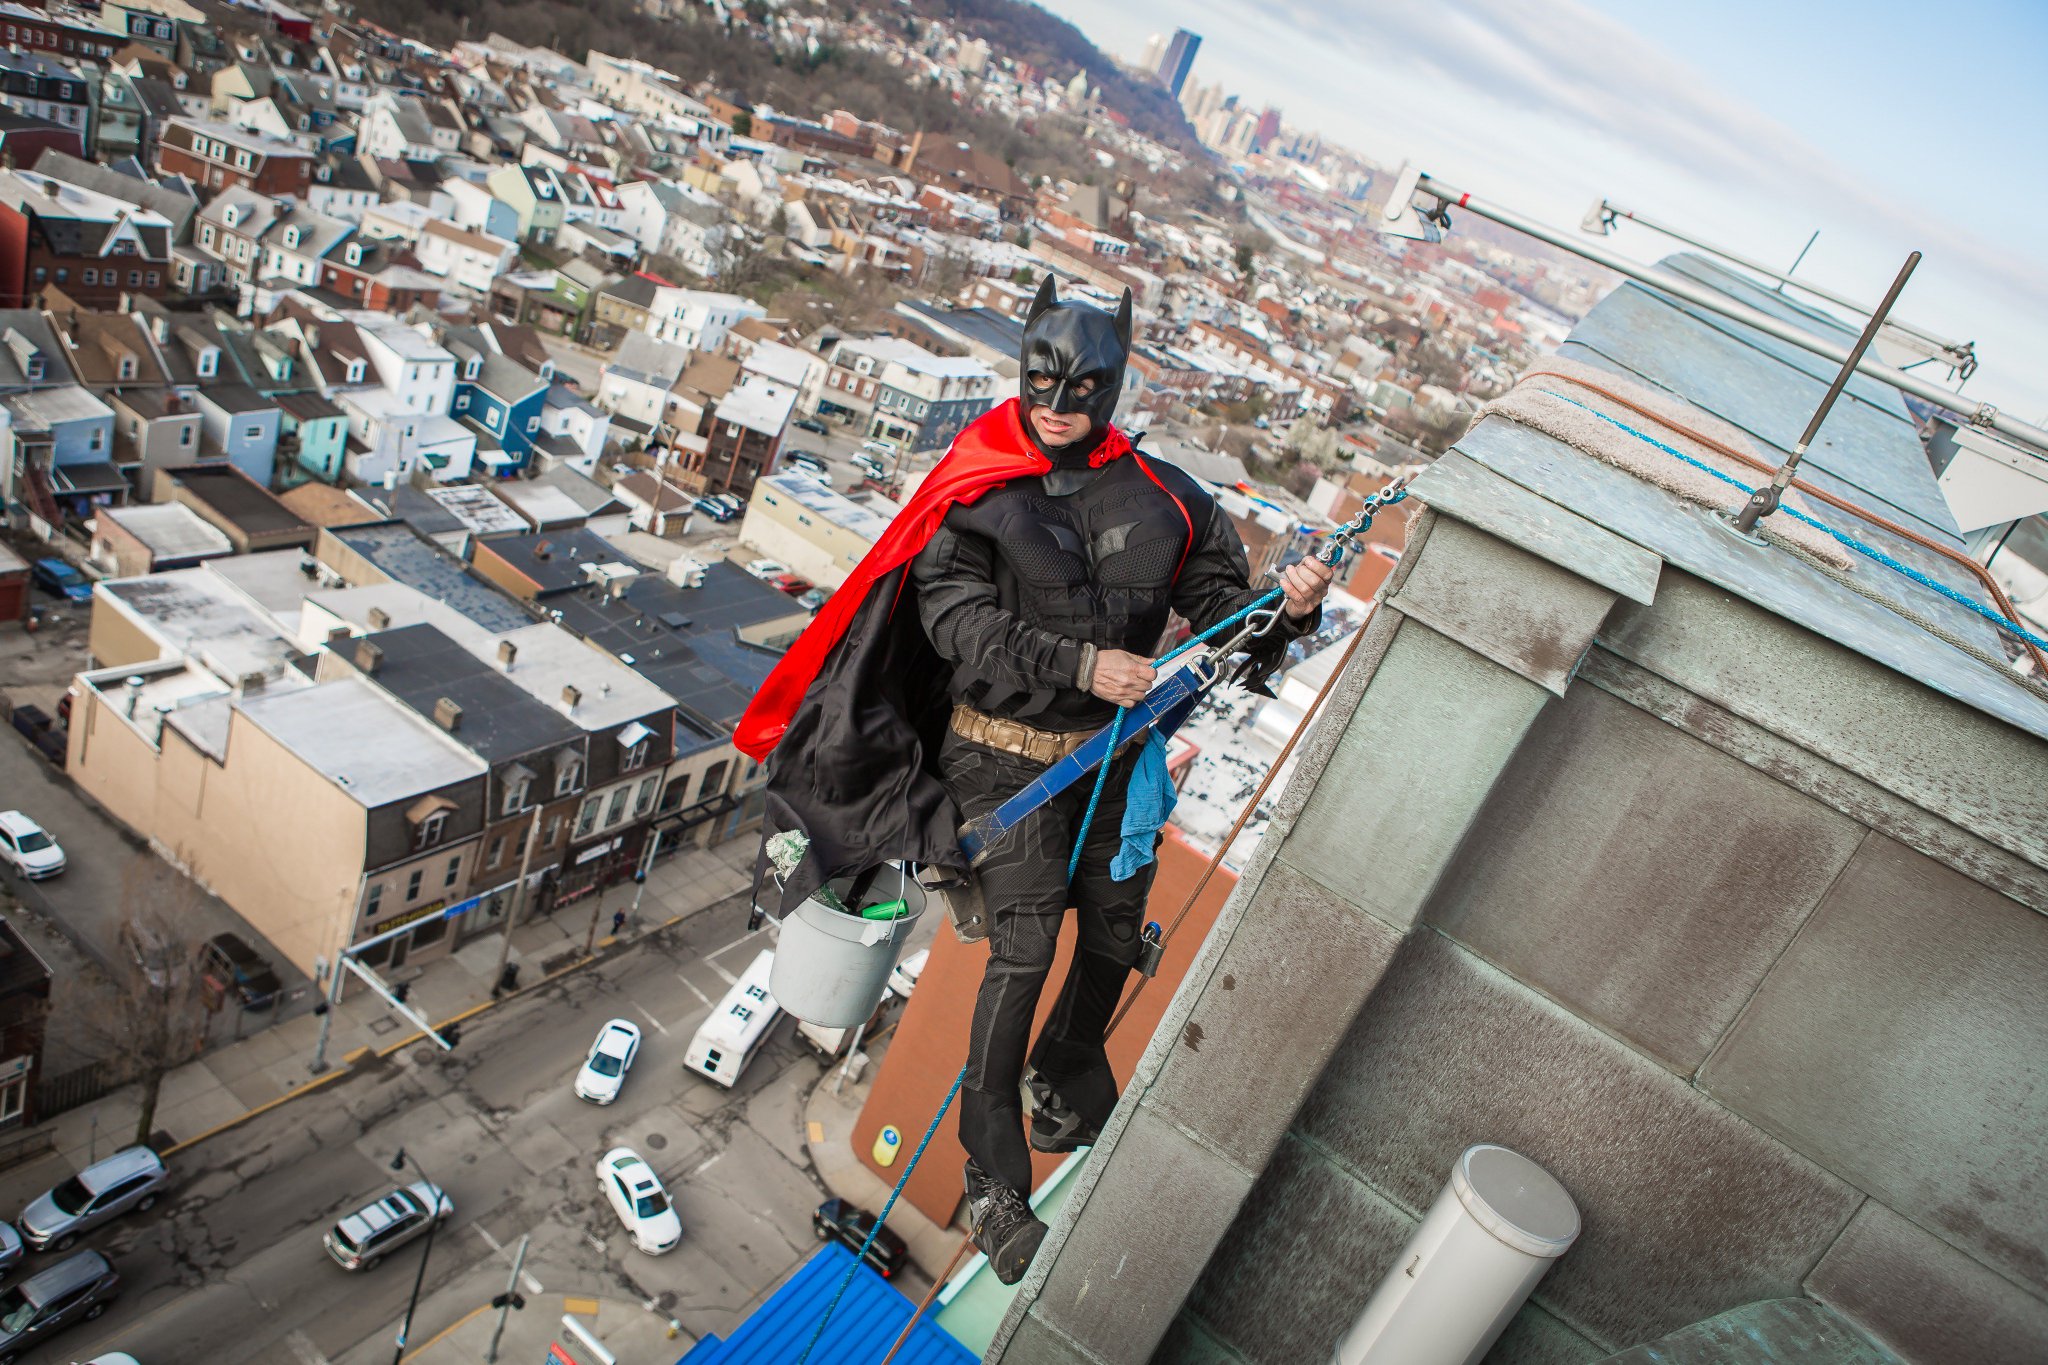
point(1015, 737)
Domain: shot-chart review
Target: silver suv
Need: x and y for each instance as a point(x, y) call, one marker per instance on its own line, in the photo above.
point(77, 1289)
point(131, 1178)
point(374, 1231)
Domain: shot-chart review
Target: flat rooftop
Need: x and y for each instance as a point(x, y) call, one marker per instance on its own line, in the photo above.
point(372, 747)
point(241, 500)
point(170, 530)
point(500, 720)
point(195, 613)
point(815, 495)
point(395, 550)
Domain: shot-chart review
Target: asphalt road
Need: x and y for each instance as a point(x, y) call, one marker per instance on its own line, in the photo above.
point(230, 1269)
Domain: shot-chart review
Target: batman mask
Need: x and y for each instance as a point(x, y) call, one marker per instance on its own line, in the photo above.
point(1073, 358)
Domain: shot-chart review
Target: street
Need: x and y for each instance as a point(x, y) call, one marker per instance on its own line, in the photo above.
point(231, 1268)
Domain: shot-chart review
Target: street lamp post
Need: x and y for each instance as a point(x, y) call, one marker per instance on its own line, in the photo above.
point(399, 1163)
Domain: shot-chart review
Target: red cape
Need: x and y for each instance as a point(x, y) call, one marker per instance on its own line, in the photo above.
point(992, 450)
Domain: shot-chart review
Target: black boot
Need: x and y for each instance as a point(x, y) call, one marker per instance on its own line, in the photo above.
point(1005, 1229)
point(1055, 1125)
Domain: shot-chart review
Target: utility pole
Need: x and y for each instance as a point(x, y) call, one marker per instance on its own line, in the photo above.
point(518, 900)
point(399, 1163)
point(327, 1007)
point(508, 1301)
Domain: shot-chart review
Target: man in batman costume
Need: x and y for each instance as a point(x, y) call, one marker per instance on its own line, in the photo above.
point(1007, 613)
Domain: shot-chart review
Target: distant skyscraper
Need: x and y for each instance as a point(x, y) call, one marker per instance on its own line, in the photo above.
point(1155, 53)
point(1179, 59)
point(1268, 128)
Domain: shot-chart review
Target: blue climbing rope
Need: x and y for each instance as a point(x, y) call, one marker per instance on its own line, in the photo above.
point(861, 1256)
point(1961, 599)
point(1116, 726)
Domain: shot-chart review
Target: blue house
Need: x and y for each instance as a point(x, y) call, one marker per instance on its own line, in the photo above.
point(501, 400)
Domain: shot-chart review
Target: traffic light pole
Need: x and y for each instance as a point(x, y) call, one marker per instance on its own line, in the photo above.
point(507, 1301)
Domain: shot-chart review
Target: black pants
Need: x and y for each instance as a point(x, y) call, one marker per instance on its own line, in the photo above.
point(1024, 885)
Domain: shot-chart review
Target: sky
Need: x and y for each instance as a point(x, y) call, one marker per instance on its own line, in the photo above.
point(1886, 127)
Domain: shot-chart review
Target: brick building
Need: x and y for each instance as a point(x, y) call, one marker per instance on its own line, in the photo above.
point(216, 155)
point(92, 246)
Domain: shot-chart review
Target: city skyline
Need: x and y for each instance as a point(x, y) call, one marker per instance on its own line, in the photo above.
point(1750, 145)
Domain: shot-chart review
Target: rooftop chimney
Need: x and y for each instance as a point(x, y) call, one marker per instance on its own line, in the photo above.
point(507, 652)
point(380, 619)
point(369, 657)
point(338, 636)
point(448, 714)
point(571, 695)
point(542, 550)
point(134, 686)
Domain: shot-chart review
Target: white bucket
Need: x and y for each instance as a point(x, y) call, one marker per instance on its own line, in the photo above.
point(830, 967)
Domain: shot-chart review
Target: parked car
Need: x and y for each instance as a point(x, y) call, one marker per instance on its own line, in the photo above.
point(610, 1058)
point(766, 569)
point(363, 1238)
point(804, 460)
point(76, 1289)
point(714, 509)
point(813, 599)
point(851, 1224)
point(639, 1200)
point(230, 964)
point(733, 502)
point(903, 976)
point(62, 579)
point(880, 448)
point(811, 424)
point(130, 1179)
point(11, 1250)
point(870, 466)
point(795, 584)
point(28, 848)
point(113, 1358)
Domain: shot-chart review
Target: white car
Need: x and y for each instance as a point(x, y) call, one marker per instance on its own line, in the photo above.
point(28, 848)
point(611, 1057)
point(637, 1197)
point(903, 976)
point(767, 569)
point(114, 1358)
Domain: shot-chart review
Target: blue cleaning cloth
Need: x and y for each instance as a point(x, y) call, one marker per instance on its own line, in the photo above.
point(1148, 800)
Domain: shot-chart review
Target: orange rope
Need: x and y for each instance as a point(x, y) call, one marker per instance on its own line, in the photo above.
point(1982, 575)
point(1243, 818)
point(959, 1254)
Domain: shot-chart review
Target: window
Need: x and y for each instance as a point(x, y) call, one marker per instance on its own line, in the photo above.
point(568, 776)
point(62, 274)
point(493, 419)
point(370, 905)
point(12, 1097)
point(42, 273)
point(185, 435)
point(153, 279)
point(550, 831)
point(91, 276)
point(243, 161)
point(412, 885)
point(462, 402)
point(645, 798)
point(497, 851)
point(714, 780)
point(515, 795)
point(635, 756)
point(519, 849)
point(134, 279)
point(430, 830)
point(454, 871)
point(99, 439)
point(742, 1011)
point(252, 433)
point(617, 809)
point(586, 818)
point(532, 425)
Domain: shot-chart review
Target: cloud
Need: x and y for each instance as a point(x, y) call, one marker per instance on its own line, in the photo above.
point(1565, 62)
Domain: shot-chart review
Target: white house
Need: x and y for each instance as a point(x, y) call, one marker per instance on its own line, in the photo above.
point(698, 318)
point(400, 220)
point(567, 417)
point(469, 261)
point(414, 368)
point(403, 128)
point(635, 385)
point(674, 220)
point(478, 210)
point(386, 441)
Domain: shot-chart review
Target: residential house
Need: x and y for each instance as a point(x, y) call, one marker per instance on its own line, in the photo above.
point(92, 246)
point(673, 220)
point(43, 87)
point(176, 203)
point(24, 1008)
point(697, 318)
point(395, 126)
point(152, 23)
point(922, 400)
point(469, 261)
point(655, 505)
point(476, 209)
point(312, 437)
point(635, 384)
point(572, 429)
point(501, 400)
point(743, 430)
point(534, 194)
point(626, 305)
point(155, 430)
point(154, 537)
point(341, 188)
point(217, 156)
point(60, 444)
point(538, 758)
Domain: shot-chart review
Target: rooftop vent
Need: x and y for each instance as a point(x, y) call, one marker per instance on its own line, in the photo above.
point(338, 636)
point(369, 657)
point(380, 619)
point(543, 550)
point(448, 714)
point(571, 695)
point(507, 652)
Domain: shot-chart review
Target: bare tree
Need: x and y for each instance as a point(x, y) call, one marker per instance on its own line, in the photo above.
point(156, 1020)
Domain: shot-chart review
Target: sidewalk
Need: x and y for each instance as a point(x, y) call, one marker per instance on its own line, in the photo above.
point(628, 1331)
point(238, 1078)
point(828, 1126)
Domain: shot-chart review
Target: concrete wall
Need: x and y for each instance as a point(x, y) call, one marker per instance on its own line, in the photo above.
point(1597, 861)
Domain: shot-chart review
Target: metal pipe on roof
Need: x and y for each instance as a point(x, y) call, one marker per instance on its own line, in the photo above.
point(1975, 414)
point(1958, 355)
